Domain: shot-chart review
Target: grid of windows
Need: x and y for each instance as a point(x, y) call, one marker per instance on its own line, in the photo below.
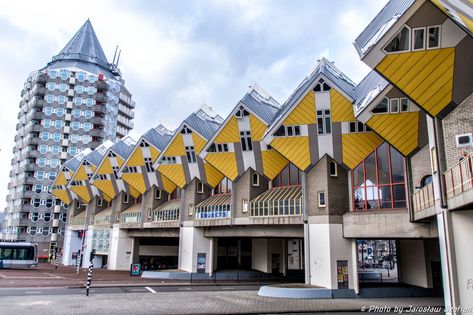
point(246, 142)
point(190, 154)
point(324, 122)
point(379, 181)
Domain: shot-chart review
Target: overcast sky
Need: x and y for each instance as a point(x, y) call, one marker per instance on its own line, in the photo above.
point(177, 55)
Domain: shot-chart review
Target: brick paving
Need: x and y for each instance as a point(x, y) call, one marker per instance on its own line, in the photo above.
point(235, 302)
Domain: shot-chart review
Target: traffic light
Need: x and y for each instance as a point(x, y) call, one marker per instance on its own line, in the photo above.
point(92, 255)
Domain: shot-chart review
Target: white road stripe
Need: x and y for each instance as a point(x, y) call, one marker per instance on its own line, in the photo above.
point(227, 288)
point(150, 290)
point(32, 292)
point(185, 289)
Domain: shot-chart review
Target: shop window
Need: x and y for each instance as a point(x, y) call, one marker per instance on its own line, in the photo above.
point(400, 42)
point(379, 181)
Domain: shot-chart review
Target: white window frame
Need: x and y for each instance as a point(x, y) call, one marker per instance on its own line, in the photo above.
point(336, 169)
point(255, 183)
point(190, 209)
point(200, 188)
point(99, 202)
point(469, 144)
point(427, 36)
point(400, 51)
point(413, 38)
point(126, 198)
point(244, 205)
point(319, 199)
point(158, 194)
point(408, 105)
point(391, 101)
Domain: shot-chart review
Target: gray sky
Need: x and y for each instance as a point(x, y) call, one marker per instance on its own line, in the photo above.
point(177, 55)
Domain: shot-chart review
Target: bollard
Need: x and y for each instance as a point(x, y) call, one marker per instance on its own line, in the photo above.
point(78, 263)
point(89, 280)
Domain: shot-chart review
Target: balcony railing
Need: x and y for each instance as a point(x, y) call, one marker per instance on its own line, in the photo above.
point(424, 198)
point(459, 178)
point(281, 201)
point(131, 215)
point(169, 211)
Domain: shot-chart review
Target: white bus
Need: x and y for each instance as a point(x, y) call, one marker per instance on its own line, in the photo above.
point(19, 255)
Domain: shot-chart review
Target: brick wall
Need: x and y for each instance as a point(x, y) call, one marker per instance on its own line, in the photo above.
point(459, 121)
point(420, 165)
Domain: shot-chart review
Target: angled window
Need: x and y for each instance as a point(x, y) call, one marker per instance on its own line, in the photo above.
point(394, 105)
point(382, 107)
point(157, 194)
point(400, 42)
point(125, 198)
point(404, 104)
point(149, 165)
point(433, 40)
point(418, 38)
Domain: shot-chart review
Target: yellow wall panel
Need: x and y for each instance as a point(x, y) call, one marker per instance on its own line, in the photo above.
point(135, 193)
point(425, 76)
point(295, 149)
point(136, 181)
point(400, 130)
point(213, 176)
point(154, 153)
point(342, 108)
point(176, 148)
point(257, 127)
point(82, 192)
point(81, 174)
point(230, 133)
point(357, 146)
point(199, 142)
point(168, 185)
point(61, 179)
point(273, 163)
point(174, 172)
point(106, 167)
point(225, 162)
point(106, 187)
point(304, 112)
point(136, 157)
point(62, 195)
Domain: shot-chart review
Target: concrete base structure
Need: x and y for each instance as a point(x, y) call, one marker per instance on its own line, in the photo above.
point(120, 250)
point(193, 244)
point(72, 243)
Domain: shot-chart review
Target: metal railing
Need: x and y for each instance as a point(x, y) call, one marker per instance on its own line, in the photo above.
point(131, 217)
point(166, 215)
point(424, 198)
point(459, 177)
point(281, 201)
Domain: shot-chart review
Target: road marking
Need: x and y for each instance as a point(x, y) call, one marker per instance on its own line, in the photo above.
point(32, 292)
point(138, 290)
point(26, 277)
point(53, 275)
point(150, 290)
point(2, 276)
point(185, 289)
point(227, 288)
point(83, 291)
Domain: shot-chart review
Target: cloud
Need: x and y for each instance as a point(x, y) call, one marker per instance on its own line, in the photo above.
point(177, 55)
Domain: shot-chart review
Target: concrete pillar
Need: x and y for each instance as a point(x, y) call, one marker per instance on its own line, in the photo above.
point(260, 255)
point(461, 230)
point(87, 247)
point(193, 242)
point(135, 252)
point(72, 243)
point(327, 246)
point(120, 249)
point(413, 263)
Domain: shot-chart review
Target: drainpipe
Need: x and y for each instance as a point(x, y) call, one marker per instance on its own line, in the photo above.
point(305, 217)
point(409, 189)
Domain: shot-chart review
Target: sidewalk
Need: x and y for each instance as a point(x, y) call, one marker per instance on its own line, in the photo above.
point(216, 302)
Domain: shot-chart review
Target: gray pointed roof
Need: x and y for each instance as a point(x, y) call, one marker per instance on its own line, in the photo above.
point(261, 103)
point(124, 147)
point(204, 121)
point(74, 162)
point(367, 90)
point(326, 68)
point(385, 19)
point(84, 46)
point(159, 137)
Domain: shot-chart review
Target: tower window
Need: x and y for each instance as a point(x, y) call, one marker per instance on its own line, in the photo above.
point(246, 142)
point(126, 198)
point(324, 122)
point(321, 199)
point(255, 179)
point(190, 153)
point(333, 169)
point(200, 188)
point(433, 40)
point(418, 38)
point(400, 42)
point(157, 194)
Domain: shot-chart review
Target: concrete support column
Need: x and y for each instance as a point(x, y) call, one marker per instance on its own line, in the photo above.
point(146, 206)
point(413, 263)
point(120, 249)
point(212, 257)
point(284, 256)
point(87, 247)
point(192, 243)
point(135, 252)
point(260, 255)
point(327, 247)
point(72, 243)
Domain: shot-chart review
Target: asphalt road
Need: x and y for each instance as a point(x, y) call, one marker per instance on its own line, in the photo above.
point(4, 292)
